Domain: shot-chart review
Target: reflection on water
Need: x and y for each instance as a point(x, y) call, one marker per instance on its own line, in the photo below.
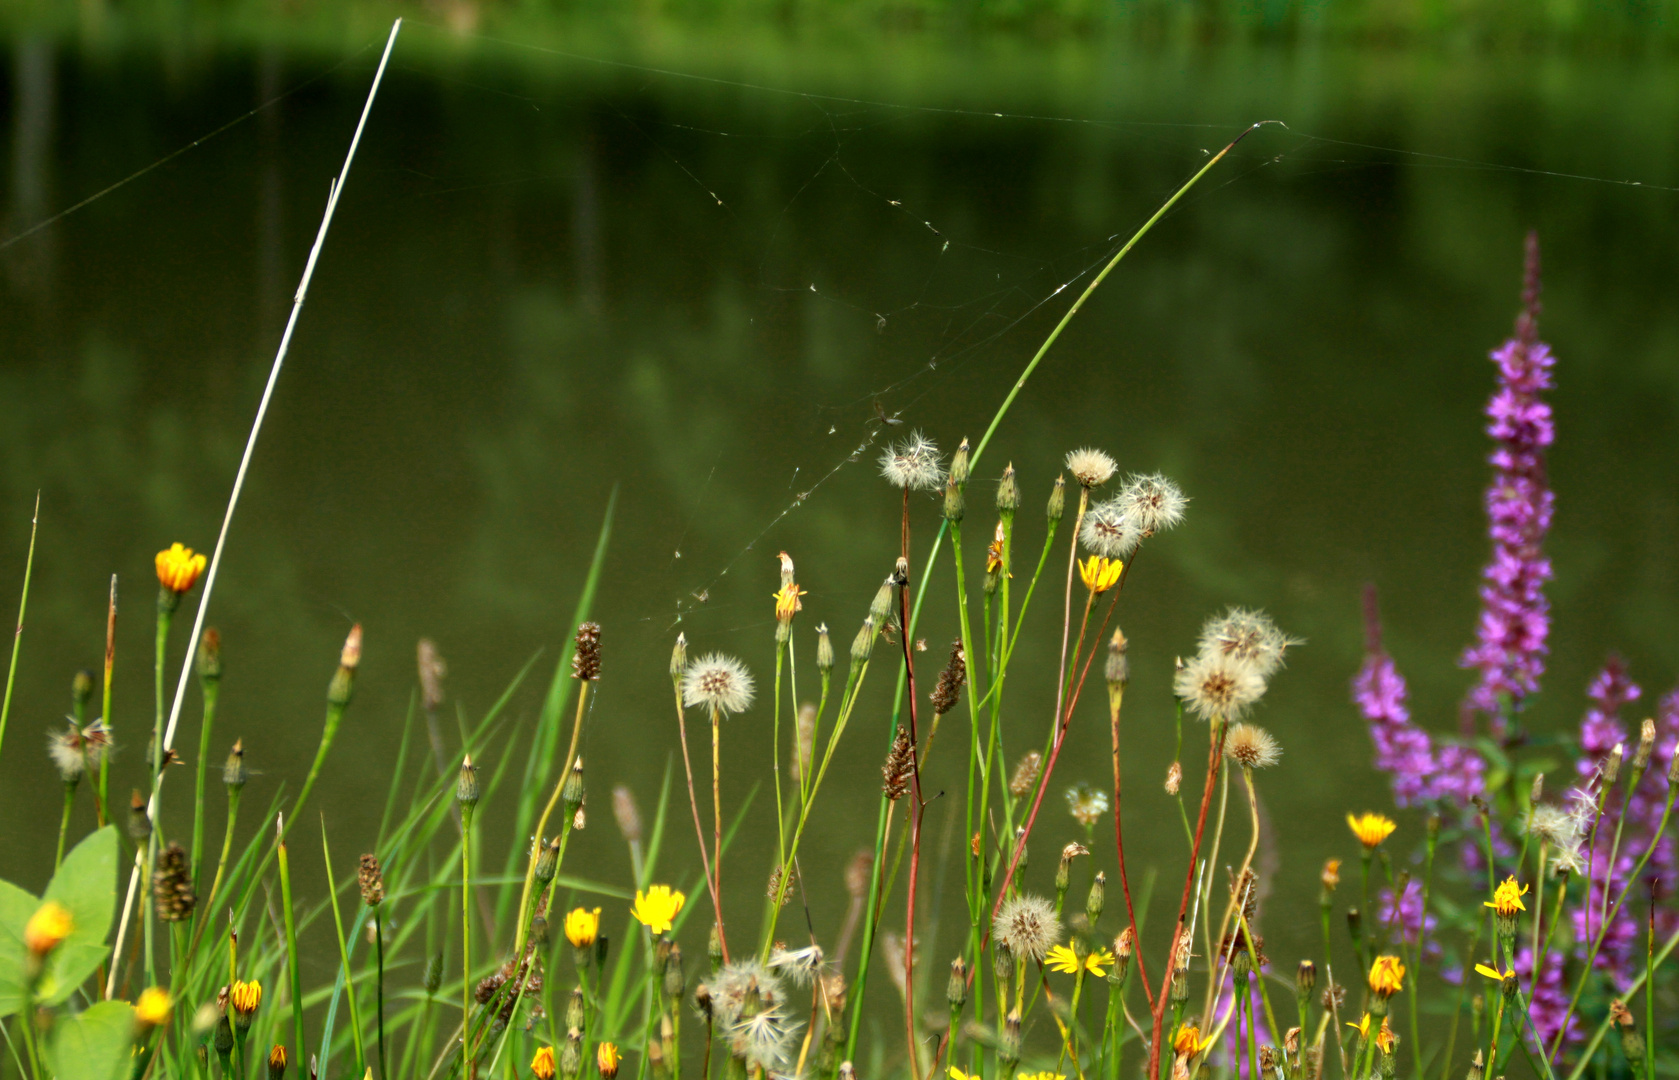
point(551, 280)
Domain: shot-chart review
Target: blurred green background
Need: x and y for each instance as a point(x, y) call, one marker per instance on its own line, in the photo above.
point(692, 252)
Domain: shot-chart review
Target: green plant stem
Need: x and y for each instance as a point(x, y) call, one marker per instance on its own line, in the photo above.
point(64, 822)
point(22, 606)
point(101, 806)
point(525, 912)
point(379, 965)
point(775, 755)
point(344, 956)
point(165, 614)
point(289, 914)
point(466, 931)
point(211, 690)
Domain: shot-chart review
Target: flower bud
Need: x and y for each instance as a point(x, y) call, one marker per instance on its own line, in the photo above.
point(864, 642)
point(209, 655)
point(679, 657)
point(1477, 1068)
point(1174, 778)
point(959, 464)
point(139, 821)
point(433, 977)
point(1355, 924)
point(1646, 743)
point(881, 608)
point(574, 1009)
point(1612, 766)
point(824, 650)
point(571, 792)
point(1058, 499)
point(233, 772)
point(81, 691)
point(956, 990)
point(277, 1062)
point(626, 813)
point(466, 786)
point(954, 506)
point(1097, 899)
point(675, 980)
point(1536, 792)
point(714, 948)
point(547, 859)
point(339, 691)
point(1305, 978)
point(1002, 960)
point(1118, 666)
point(1008, 492)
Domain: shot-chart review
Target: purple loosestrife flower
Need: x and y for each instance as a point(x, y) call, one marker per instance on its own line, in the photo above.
point(1404, 921)
point(1548, 999)
point(1610, 691)
point(1420, 771)
point(1510, 647)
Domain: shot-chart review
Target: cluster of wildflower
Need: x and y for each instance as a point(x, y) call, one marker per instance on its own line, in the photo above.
point(1239, 651)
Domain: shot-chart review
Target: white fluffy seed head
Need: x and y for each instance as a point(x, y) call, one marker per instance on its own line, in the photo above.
point(1087, 804)
point(717, 682)
point(913, 464)
point(1153, 503)
point(1090, 467)
point(1214, 686)
point(1561, 831)
point(1247, 637)
point(65, 749)
point(1028, 926)
point(1252, 747)
point(1108, 532)
point(800, 966)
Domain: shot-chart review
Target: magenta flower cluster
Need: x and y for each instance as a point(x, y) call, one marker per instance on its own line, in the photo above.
point(1510, 648)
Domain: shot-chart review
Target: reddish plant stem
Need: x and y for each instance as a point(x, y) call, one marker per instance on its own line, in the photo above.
point(699, 829)
point(1215, 747)
point(920, 805)
point(1124, 878)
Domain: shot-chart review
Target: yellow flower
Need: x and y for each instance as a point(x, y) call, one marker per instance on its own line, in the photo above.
point(277, 1060)
point(606, 1060)
point(1385, 1038)
point(1507, 898)
point(1188, 1041)
point(1387, 976)
point(50, 925)
point(542, 1064)
point(1038, 1076)
point(1100, 574)
point(582, 927)
point(178, 568)
point(957, 1074)
point(245, 997)
point(1493, 973)
point(1062, 958)
point(657, 907)
point(787, 602)
point(1362, 1027)
point(1331, 875)
point(152, 1010)
point(1371, 829)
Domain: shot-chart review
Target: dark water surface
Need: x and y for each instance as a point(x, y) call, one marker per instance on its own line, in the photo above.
point(550, 279)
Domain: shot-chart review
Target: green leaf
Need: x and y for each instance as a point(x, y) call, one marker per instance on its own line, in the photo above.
point(16, 906)
point(94, 1045)
point(86, 884)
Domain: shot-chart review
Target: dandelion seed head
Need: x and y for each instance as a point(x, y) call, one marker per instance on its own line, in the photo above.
point(1252, 747)
point(1090, 467)
point(718, 682)
point(1215, 686)
point(1248, 637)
point(800, 966)
point(1152, 503)
point(1087, 804)
point(1028, 926)
point(1108, 532)
point(913, 464)
point(65, 749)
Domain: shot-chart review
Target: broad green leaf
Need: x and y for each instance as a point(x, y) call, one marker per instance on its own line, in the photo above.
point(95, 1045)
point(86, 883)
point(15, 908)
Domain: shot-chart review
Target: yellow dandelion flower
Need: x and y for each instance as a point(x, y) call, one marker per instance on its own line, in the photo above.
point(1062, 958)
point(657, 907)
point(1371, 829)
point(178, 568)
point(277, 1061)
point(582, 926)
point(50, 925)
point(957, 1074)
point(787, 602)
point(1493, 973)
point(1507, 898)
point(1188, 1041)
point(1331, 876)
point(1386, 1040)
point(1387, 976)
point(1100, 574)
point(606, 1060)
point(245, 997)
point(542, 1064)
point(153, 1007)
point(1362, 1027)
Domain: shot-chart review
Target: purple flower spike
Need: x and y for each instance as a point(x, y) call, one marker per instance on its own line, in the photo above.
point(1515, 621)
